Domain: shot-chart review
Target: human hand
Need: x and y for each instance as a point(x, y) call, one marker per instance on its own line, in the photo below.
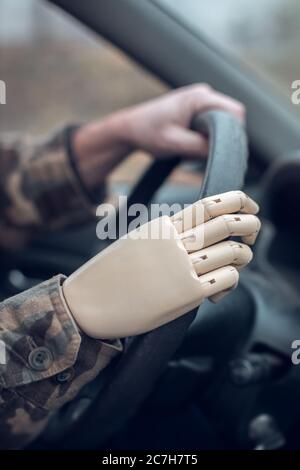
point(160, 126)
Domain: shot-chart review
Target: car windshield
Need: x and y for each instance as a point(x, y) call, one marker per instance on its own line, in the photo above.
point(265, 34)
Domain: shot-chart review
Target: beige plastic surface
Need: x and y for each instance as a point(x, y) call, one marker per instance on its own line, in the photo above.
point(140, 283)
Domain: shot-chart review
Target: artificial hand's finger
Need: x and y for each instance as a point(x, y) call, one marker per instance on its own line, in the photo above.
point(245, 225)
point(219, 281)
point(222, 254)
point(213, 206)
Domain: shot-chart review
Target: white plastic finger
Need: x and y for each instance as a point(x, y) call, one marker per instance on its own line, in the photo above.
point(222, 254)
point(214, 206)
point(220, 280)
point(220, 228)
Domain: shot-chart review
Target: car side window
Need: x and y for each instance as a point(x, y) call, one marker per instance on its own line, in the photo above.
point(263, 34)
point(57, 71)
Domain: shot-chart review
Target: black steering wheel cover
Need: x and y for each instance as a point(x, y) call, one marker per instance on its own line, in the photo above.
point(146, 356)
point(228, 152)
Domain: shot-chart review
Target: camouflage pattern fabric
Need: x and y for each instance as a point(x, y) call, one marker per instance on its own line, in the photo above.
point(47, 359)
point(39, 188)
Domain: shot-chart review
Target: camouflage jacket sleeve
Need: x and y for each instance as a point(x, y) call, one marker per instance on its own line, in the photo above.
point(44, 361)
point(40, 188)
point(44, 358)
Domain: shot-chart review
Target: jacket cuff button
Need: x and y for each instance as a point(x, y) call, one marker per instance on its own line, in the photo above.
point(40, 359)
point(65, 376)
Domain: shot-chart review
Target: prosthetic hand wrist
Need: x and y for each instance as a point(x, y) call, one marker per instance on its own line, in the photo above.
point(165, 268)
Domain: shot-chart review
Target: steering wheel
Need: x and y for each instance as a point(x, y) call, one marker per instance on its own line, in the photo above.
point(133, 377)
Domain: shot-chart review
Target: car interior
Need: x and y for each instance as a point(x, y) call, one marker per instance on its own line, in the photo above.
point(221, 377)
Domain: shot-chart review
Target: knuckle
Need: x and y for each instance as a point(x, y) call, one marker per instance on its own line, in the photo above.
point(242, 107)
point(243, 198)
point(239, 193)
point(203, 86)
point(200, 88)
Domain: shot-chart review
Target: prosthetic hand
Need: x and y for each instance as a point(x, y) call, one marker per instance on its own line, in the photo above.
point(165, 268)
